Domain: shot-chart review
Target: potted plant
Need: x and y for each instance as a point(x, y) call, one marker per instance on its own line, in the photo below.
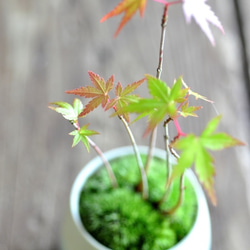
point(143, 197)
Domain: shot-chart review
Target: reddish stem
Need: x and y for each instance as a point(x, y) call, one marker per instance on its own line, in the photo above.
point(178, 128)
point(169, 3)
point(77, 125)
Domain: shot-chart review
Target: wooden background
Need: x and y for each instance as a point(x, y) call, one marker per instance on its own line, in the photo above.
point(47, 47)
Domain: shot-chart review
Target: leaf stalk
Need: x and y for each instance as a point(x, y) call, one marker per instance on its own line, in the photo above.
point(138, 158)
point(180, 199)
point(105, 162)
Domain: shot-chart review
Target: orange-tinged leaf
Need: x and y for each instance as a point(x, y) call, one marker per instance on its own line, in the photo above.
point(94, 103)
point(118, 89)
point(124, 98)
point(129, 7)
point(189, 110)
point(99, 92)
point(99, 82)
point(131, 87)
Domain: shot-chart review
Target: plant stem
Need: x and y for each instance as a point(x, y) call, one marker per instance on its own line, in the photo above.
point(105, 162)
point(138, 158)
point(151, 149)
point(158, 75)
point(168, 167)
point(162, 41)
point(170, 151)
point(179, 202)
point(143, 185)
point(167, 149)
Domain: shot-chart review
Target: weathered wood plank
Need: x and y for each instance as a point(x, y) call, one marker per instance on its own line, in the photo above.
point(242, 8)
point(47, 47)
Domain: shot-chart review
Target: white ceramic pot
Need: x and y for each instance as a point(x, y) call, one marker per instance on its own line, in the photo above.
point(75, 236)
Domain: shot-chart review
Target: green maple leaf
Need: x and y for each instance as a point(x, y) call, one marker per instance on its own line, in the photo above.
point(99, 92)
point(194, 151)
point(217, 141)
point(82, 135)
point(123, 97)
point(164, 101)
point(68, 111)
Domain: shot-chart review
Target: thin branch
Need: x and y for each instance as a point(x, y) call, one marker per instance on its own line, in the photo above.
point(168, 152)
point(168, 167)
point(158, 75)
point(105, 162)
point(162, 41)
point(101, 154)
point(151, 148)
point(144, 182)
point(138, 158)
point(179, 202)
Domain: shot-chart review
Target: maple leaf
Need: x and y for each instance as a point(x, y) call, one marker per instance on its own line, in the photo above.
point(196, 95)
point(98, 92)
point(188, 110)
point(202, 13)
point(82, 135)
point(163, 102)
point(68, 111)
point(123, 97)
point(194, 151)
point(129, 7)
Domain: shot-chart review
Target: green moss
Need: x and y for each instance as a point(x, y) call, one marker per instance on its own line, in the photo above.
point(121, 219)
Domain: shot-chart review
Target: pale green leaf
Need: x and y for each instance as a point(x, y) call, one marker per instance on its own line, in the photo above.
point(211, 126)
point(187, 155)
point(77, 137)
point(184, 142)
point(185, 161)
point(65, 109)
point(78, 106)
point(193, 152)
point(176, 92)
point(85, 142)
point(220, 141)
point(158, 88)
point(82, 135)
point(205, 170)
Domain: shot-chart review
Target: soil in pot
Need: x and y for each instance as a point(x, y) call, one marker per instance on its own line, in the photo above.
point(120, 219)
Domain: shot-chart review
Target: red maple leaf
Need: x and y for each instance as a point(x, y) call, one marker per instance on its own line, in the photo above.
point(129, 7)
point(98, 92)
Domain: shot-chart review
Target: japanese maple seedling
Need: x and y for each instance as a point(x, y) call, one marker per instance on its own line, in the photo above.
point(167, 103)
